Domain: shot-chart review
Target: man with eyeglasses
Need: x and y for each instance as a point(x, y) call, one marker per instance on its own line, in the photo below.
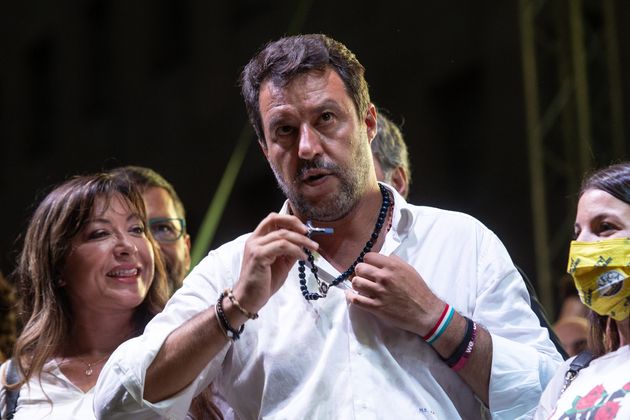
point(167, 221)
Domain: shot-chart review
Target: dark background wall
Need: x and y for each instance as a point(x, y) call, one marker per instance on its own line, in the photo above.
point(93, 84)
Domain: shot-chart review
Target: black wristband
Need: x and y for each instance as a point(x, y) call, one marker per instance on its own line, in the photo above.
point(232, 333)
point(462, 346)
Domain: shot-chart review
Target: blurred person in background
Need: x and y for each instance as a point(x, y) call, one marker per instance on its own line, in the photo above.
point(572, 331)
point(391, 159)
point(7, 318)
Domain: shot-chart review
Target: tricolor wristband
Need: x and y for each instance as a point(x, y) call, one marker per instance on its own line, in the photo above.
point(440, 326)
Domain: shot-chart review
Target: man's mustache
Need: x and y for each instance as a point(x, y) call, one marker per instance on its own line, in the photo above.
point(317, 163)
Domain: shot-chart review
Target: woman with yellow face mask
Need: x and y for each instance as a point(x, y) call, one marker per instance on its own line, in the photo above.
point(599, 262)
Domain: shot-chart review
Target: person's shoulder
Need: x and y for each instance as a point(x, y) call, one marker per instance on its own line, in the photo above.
point(432, 215)
point(226, 256)
point(234, 244)
point(621, 354)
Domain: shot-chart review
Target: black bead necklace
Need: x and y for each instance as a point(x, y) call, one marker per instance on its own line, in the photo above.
point(323, 286)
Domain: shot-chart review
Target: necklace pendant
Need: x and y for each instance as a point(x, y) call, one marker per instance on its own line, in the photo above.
point(323, 288)
point(385, 212)
point(89, 371)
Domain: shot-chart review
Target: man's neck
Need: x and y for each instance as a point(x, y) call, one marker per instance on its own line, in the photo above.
point(352, 231)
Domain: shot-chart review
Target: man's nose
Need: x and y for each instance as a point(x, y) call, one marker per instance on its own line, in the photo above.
point(310, 142)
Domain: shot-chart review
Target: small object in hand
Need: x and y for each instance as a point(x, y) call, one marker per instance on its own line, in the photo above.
point(312, 229)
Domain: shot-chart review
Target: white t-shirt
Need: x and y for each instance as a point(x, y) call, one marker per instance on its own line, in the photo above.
point(599, 391)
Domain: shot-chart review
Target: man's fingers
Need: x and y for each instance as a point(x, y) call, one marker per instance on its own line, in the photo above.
point(267, 253)
point(362, 301)
point(367, 287)
point(275, 221)
point(367, 270)
point(287, 235)
point(378, 260)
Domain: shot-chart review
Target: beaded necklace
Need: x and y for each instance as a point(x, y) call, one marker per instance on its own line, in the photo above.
point(322, 285)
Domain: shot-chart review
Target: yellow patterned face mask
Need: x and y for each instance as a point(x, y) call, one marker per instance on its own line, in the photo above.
point(600, 271)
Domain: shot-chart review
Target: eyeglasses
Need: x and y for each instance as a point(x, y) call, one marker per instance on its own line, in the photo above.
point(167, 229)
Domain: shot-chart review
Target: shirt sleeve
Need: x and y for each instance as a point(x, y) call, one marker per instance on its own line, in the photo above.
point(120, 387)
point(523, 357)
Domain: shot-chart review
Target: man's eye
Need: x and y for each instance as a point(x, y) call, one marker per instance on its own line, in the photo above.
point(327, 116)
point(162, 228)
point(284, 130)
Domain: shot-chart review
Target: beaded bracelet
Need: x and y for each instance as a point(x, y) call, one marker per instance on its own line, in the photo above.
point(225, 324)
point(216, 313)
point(469, 348)
point(440, 325)
point(463, 345)
point(236, 303)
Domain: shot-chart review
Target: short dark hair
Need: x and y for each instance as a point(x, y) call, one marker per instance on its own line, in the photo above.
point(280, 61)
point(389, 147)
point(145, 178)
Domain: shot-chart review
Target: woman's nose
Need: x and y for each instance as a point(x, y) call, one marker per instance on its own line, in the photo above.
point(124, 245)
point(587, 236)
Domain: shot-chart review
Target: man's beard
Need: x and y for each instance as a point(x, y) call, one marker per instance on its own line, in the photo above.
point(352, 186)
point(175, 273)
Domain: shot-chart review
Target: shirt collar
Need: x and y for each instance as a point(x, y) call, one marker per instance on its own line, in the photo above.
point(402, 218)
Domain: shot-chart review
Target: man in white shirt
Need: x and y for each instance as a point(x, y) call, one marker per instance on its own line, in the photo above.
point(399, 312)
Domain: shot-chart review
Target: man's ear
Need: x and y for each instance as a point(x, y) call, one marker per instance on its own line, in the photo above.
point(188, 247)
point(370, 122)
point(263, 147)
point(399, 181)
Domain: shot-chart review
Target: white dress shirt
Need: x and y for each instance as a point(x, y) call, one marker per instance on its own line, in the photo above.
point(326, 359)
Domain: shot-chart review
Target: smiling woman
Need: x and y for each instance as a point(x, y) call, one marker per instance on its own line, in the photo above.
point(89, 277)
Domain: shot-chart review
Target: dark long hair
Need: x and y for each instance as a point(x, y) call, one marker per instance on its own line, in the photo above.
point(615, 180)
